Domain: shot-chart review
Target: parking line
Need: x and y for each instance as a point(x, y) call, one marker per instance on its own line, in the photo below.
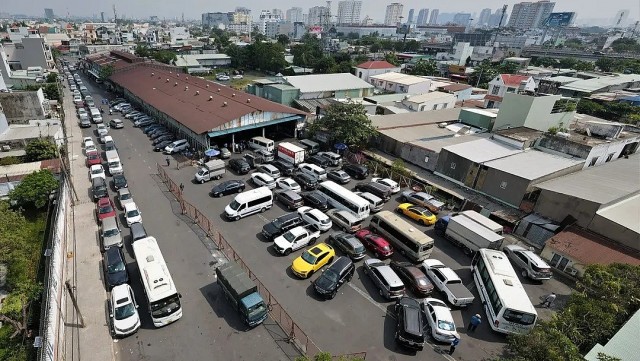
point(264, 219)
point(368, 298)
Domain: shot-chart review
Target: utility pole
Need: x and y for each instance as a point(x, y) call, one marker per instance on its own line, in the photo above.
point(115, 14)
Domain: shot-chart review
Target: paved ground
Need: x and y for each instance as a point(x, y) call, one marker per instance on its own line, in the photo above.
point(209, 326)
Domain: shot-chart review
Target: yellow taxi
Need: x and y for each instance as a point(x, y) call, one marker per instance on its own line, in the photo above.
point(417, 213)
point(312, 260)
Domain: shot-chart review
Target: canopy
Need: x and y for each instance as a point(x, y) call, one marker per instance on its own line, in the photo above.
point(211, 152)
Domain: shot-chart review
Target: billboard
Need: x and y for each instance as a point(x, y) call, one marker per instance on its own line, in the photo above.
point(560, 20)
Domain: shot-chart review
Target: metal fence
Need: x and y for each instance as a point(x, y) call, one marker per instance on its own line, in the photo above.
point(295, 335)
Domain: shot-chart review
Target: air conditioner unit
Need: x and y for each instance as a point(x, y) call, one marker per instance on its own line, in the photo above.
point(571, 271)
point(6, 148)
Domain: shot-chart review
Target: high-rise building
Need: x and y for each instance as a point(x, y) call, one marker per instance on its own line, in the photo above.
point(318, 15)
point(528, 15)
point(433, 19)
point(494, 19)
point(267, 17)
point(349, 12)
point(410, 17)
point(294, 15)
point(423, 17)
point(48, 13)
point(461, 19)
point(216, 20)
point(485, 15)
point(393, 14)
point(278, 13)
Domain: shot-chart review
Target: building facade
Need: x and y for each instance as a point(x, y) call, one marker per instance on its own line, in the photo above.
point(423, 17)
point(349, 12)
point(294, 14)
point(393, 14)
point(528, 15)
point(433, 18)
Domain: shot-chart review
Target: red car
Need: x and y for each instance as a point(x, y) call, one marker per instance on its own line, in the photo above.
point(375, 243)
point(105, 208)
point(93, 158)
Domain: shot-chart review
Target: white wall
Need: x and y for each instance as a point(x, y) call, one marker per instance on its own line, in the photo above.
point(602, 151)
point(366, 73)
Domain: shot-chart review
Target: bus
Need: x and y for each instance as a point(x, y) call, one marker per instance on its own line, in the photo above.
point(163, 298)
point(506, 303)
point(405, 238)
point(341, 198)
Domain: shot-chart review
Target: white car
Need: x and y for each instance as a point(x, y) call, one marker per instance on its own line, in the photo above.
point(440, 320)
point(124, 197)
point(97, 171)
point(123, 311)
point(393, 185)
point(238, 76)
point(132, 214)
point(82, 111)
point(316, 218)
point(222, 77)
point(85, 140)
point(102, 130)
point(263, 180)
point(288, 184)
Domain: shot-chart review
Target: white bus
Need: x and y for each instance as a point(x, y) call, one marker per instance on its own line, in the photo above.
point(506, 303)
point(404, 237)
point(341, 198)
point(267, 144)
point(163, 298)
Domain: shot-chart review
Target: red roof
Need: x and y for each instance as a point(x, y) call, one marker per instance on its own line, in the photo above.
point(198, 104)
point(514, 80)
point(455, 87)
point(376, 64)
point(590, 248)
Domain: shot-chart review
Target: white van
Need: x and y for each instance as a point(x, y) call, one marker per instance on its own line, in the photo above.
point(113, 162)
point(313, 170)
point(95, 115)
point(248, 203)
point(177, 146)
point(262, 143)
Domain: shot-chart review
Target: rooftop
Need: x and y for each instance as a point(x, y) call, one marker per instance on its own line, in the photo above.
point(513, 80)
point(560, 79)
point(327, 82)
point(519, 133)
point(623, 345)
point(404, 79)
point(19, 132)
point(482, 150)
point(533, 164)
point(455, 87)
point(624, 213)
point(377, 64)
point(435, 144)
point(602, 184)
point(589, 248)
point(415, 118)
point(592, 85)
point(421, 98)
point(385, 98)
point(198, 104)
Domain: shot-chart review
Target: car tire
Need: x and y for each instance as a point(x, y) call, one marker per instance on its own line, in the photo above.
point(240, 190)
point(263, 210)
point(524, 273)
point(404, 199)
point(330, 260)
point(287, 252)
point(236, 218)
point(201, 181)
point(426, 224)
point(333, 294)
point(312, 241)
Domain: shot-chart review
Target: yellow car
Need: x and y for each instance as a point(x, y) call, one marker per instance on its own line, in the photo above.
point(417, 213)
point(312, 260)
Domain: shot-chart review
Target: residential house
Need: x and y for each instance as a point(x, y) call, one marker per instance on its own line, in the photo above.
point(462, 92)
point(202, 63)
point(429, 101)
point(507, 83)
point(535, 112)
point(401, 83)
point(375, 67)
point(601, 83)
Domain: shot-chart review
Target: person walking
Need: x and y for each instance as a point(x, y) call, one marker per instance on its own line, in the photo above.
point(475, 321)
point(168, 161)
point(454, 343)
point(181, 187)
point(548, 301)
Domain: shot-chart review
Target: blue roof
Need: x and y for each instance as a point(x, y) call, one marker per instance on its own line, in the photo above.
point(252, 300)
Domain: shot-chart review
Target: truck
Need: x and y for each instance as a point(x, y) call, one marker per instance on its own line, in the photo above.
point(486, 222)
point(113, 162)
point(213, 169)
point(290, 153)
point(242, 293)
point(467, 233)
point(295, 239)
point(448, 282)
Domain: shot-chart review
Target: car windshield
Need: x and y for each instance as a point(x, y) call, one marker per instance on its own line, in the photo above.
point(331, 275)
point(325, 221)
point(115, 268)
point(106, 208)
point(289, 236)
point(125, 311)
point(446, 325)
point(386, 248)
point(96, 171)
point(165, 306)
point(359, 249)
point(522, 318)
point(309, 258)
point(93, 156)
point(422, 281)
point(111, 232)
point(125, 196)
point(133, 213)
point(234, 205)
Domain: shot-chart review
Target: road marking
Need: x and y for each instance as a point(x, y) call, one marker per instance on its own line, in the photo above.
point(368, 298)
point(264, 219)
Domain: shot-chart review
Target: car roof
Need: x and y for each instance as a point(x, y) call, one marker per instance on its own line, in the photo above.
point(120, 291)
point(537, 261)
point(342, 263)
point(130, 206)
point(292, 194)
point(319, 249)
point(109, 222)
point(104, 200)
point(113, 254)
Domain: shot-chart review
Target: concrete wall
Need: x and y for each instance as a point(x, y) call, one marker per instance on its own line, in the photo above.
point(454, 166)
point(476, 119)
point(422, 157)
point(548, 253)
point(557, 206)
point(604, 150)
point(532, 112)
point(32, 53)
point(615, 231)
point(20, 107)
point(503, 186)
point(364, 74)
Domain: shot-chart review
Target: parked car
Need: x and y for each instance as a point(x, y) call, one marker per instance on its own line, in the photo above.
point(93, 158)
point(84, 121)
point(288, 184)
point(290, 199)
point(339, 176)
point(162, 139)
point(423, 199)
point(227, 187)
point(270, 170)
point(315, 218)
point(375, 243)
point(105, 208)
point(312, 260)
point(439, 320)
point(393, 185)
point(160, 146)
point(110, 235)
point(123, 311)
point(344, 220)
point(114, 268)
point(347, 244)
point(116, 123)
point(389, 285)
point(530, 264)
point(240, 166)
point(306, 181)
point(263, 180)
point(413, 277)
point(409, 328)
point(283, 166)
point(132, 214)
point(356, 170)
point(379, 190)
point(280, 225)
point(119, 181)
point(417, 213)
point(338, 273)
point(319, 161)
point(97, 171)
point(315, 199)
point(225, 153)
point(124, 197)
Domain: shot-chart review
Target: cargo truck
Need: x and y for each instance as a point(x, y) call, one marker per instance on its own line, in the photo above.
point(467, 233)
point(290, 153)
point(213, 169)
point(486, 222)
point(242, 293)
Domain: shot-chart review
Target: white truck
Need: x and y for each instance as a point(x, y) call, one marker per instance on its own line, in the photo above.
point(448, 282)
point(295, 239)
point(290, 153)
point(213, 169)
point(466, 233)
point(113, 162)
point(486, 222)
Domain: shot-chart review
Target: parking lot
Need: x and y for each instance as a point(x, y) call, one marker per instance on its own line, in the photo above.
point(357, 320)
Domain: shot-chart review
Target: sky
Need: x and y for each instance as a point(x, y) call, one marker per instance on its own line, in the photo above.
point(192, 9)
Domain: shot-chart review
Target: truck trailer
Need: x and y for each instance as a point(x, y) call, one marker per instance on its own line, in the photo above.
point(290, 153)
point(467, 233)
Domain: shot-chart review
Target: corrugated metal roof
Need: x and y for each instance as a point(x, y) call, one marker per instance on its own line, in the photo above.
point(533, 164)
point(436, 144)
point(623, 345)
point(327, 82)
point(482, 150)
point(602, 184)
point(591, 85)
point(625, 213)
point(421, 98)
point(414, 118)
point(399, 78)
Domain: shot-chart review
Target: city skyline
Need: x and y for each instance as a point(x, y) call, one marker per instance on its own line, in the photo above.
point(375, 9)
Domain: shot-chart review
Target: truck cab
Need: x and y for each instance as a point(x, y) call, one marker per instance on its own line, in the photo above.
point(242, 293)
point(213, 169)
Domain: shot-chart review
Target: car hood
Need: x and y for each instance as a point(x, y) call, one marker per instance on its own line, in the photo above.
point(112, 240)
point(301, 265)
point(281, 242)
point(117, 278)
point(325, 284)
point(128, 322)
point(269, 228)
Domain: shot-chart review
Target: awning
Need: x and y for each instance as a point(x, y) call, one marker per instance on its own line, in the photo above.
point(94, 73)
point(218, 133)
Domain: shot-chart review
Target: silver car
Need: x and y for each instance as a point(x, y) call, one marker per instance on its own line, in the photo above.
point(124, 197)
point(110, 233)
point(423, 199)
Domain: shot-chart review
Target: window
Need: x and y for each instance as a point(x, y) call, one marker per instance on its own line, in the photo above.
point(503, 185)
point(435, 107)
point(593, 162)
point(511, 90)
point(495, 90)
point(453, 166)
point(609, 157)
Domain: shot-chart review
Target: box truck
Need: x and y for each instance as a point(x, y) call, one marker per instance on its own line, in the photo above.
point(290, 153)
point(242, 293)
point(213, 169)
point(467, 233)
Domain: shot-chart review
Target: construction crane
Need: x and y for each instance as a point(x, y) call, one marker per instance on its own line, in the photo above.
point(504, 12)
point(115, 14)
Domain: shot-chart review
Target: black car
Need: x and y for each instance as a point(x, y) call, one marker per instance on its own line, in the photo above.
point(115, 270)
point(315, 199)
point(339, 272)
point(227, 187)
point(85, 123)
point(290, 199)
point(157, 135)
point(143, 123)
point(280, 225)
point(283, 166)
point(160, 146)
point(240, 166)
point(162, 139)
point(348, 244)
point(379, 190)
point(356, 170)
point(156, 130)
point(306, 181)
point(409, 330)
point(149, 128)
point(320, 161)
point(339, 176)
point(119, 181)
point(99, 188)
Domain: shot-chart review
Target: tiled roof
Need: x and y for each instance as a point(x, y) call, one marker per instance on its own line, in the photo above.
point(376, 64)
point(590, 248)
point(455, 87)
point(198, 104)
point(513, 80)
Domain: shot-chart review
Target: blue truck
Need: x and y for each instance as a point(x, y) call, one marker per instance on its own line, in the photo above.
point(242, 293)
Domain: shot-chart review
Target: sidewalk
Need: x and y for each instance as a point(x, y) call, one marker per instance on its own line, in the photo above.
point(93, 341)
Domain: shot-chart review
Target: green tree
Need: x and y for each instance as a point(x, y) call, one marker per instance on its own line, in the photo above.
point(545, 61)
point(40, 149)
point(52, 77)
point(482, 74)
point(238, 55)
point(605, 64)
point(308, 52)
point(584, 66)
point(51, 91)
point(412, 45)
point(34, 190)
point(324, 65)
point(345, 123)
point(164, 56)
point(425, 67)
point(106, 71)
point(589, 107)
point(392, 58)
point(544, 342)
point(625, 45)
point(574, 43)
point(375, 47)
point(142, 51)
point(326, 356)
point(283, 39)
point(10, 160)
point(567, 62)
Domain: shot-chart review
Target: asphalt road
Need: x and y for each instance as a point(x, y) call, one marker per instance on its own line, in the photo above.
point(358, 319)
